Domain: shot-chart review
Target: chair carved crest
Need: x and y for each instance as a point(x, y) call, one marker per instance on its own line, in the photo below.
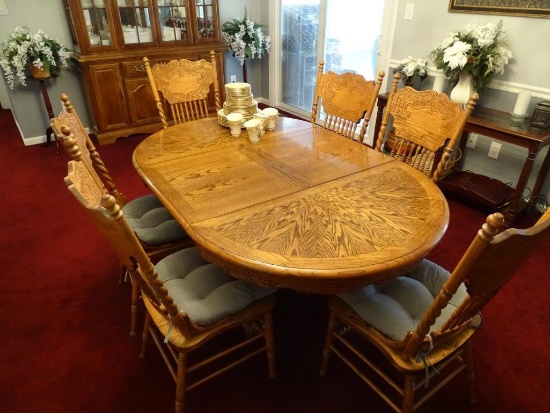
point(183, 80)
point(426, 127)
point(70, 131)
point(184, 86)
point(346, 100)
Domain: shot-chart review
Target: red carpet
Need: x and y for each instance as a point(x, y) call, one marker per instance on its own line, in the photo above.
point(64, 318)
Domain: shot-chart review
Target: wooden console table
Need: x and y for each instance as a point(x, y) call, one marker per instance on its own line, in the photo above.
point(497, 125)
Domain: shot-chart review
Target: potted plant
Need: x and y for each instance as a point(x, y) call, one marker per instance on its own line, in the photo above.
point(40, 53)
point(412, 70)
point(245, 39)
point(472, 56)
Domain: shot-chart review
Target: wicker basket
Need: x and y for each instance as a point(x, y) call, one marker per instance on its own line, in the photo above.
point(455, 157)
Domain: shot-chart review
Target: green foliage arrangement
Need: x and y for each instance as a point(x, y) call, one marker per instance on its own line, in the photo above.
point(412, 70)
point(478, 50)
point(245, 38)
point(23, 48)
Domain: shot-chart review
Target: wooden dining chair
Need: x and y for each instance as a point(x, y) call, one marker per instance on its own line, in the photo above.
point(345, 101)
point(183, 86)
point(423, 322)
point(158, 232)
point(189, 301)
point(422, 128)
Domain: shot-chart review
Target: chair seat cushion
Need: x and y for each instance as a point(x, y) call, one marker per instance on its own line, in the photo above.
point(397, 307)
point(203, 290)
point(152, 222)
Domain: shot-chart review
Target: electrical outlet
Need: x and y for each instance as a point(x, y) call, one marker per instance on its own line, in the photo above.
point(494, 150)
point(472, 139)
point(233, 78)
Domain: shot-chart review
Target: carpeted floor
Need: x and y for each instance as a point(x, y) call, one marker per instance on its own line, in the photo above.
point(64, 318)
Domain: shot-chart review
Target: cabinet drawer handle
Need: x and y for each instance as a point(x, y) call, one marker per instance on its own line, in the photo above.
point(122, 94)
point(138, 67)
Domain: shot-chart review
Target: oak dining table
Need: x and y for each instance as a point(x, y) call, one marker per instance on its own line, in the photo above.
point(304, 208)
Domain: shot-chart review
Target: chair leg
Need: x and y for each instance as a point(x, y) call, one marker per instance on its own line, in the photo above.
point(146, 333)
point(270, 344)
point(328, 343)
point(181, 378)
point(408, 393)
point(134, 307)
point(469, 360)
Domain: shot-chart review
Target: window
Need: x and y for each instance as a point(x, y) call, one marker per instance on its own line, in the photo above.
point(343, 34)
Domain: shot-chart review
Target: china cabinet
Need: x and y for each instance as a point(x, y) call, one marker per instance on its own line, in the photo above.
point(110, 39)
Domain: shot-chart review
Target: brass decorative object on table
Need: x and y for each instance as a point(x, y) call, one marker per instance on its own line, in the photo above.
point(541, 115)
point(239, 99)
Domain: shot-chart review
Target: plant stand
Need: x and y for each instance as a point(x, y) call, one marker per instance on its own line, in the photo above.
point(49, 109)
point(245, 77)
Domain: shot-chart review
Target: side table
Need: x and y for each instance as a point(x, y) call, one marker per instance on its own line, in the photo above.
point(497, 125)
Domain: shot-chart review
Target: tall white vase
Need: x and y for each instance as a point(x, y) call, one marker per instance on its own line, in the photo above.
point(463, 89)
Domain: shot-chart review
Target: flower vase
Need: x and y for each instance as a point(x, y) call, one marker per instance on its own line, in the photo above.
point(408, 81)
point(463, 89)
point(439, 81)
point(39, 73)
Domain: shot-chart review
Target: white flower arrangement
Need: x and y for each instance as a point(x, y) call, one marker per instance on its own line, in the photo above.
point(412, 69)
point(23, 48)
point(245, 38)
point(478, 50)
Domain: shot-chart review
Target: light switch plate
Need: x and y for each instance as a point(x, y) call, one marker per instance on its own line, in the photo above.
point(409, 9)
point(472, 139)
point(494, 150)
point(3, 7)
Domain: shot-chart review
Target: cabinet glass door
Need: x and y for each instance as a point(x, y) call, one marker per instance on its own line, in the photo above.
point(205, 19)
point(173, 20)
point(97, 24)
point(135, 21)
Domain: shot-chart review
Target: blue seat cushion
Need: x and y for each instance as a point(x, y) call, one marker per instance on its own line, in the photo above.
point(397, 307)
point(203, 290)
point(152, 222)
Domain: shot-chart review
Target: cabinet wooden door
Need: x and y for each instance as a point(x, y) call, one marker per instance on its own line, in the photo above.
point(108, 97)
point(143, 109)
